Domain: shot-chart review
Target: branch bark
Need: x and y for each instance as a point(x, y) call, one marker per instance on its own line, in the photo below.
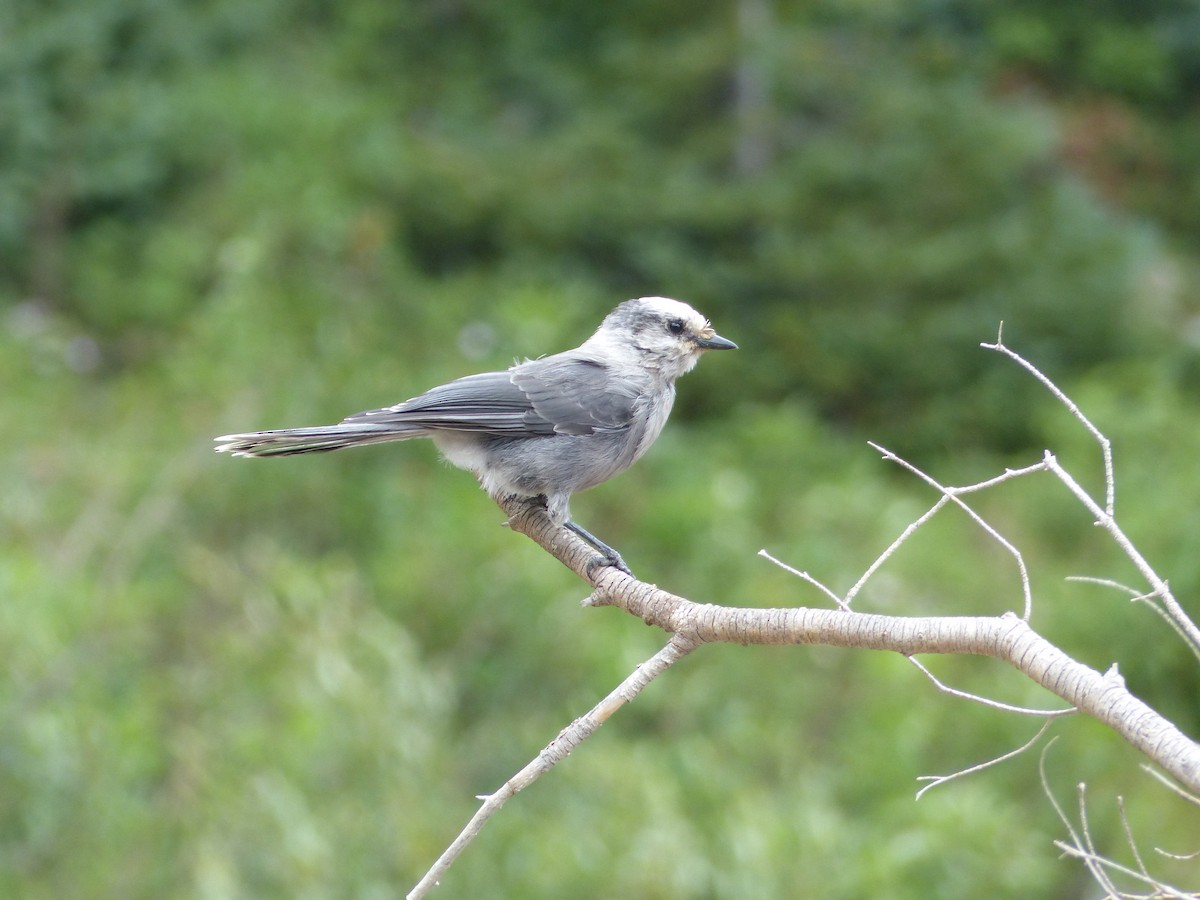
point(1009, 638)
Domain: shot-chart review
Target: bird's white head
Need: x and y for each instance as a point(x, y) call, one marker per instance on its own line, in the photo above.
point(665, 334)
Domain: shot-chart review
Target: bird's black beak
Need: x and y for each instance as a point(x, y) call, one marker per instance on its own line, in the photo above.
point(715, 342)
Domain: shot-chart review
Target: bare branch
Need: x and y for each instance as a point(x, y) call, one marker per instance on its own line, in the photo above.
point(1148, 599)
point(555, 752)
point(893, 547)
point(1080, 845)
point(1109, 524)
point(1099, 865)
point(935, 780)
point(995, 704)
point(1106, 516)
point(1092, 859)
point(1105, 444)
point(929, 514)
point(1077, 843)
point(804, 576)
point(1008, 638)
point(1006, 475)
point(1170, 785)
point(1134, 593)
point(952, 494)
point(1183, 857)
point(1133, 847)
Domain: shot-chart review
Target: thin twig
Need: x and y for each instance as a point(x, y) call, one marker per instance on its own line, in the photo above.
point(1075, 847)
point(952, 493)
point(1148, 599)
point(892, 548)
point(804, 576)
point(995, 704)
point(554, 752)
point(1184, 795)
point(1008, 475)
point(1105, 444)
point(1106, 516)
point(1097, 863)
point(1170, 785)
point(1182, 857)
point(1109, 524)
point(1081, 847)
point(935, 780)
point(1128, 829)
point(1093, 859)
point(1054, 804)
point(1134, 593)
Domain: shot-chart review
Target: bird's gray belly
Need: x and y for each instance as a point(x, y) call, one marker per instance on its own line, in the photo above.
point(557, 464)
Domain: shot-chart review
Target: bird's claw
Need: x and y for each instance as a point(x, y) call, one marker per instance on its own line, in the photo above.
point(606, 555)
point(614, 560)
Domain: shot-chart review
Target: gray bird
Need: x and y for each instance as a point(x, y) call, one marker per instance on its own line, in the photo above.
point(546, 428)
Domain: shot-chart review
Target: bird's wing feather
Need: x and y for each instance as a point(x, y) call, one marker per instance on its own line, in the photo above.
point(562, 394)
point(575, 394)
point(488, 402)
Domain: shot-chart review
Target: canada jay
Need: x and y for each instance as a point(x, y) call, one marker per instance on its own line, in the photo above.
point(547, 427)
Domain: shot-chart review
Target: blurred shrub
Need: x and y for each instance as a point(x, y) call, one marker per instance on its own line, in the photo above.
point(898, 213)
point(288, 679)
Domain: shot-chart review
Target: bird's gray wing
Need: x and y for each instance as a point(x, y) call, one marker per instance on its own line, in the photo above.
point(561, 394)
point(576, 394)
point(487, 402)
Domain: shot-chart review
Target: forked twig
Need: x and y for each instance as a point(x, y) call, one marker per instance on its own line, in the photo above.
point(1105, 517)
point(1081, 847)
point(1056, 391)
point(952, 494)
point(1076, 843)
point(1160, 587)
point(948, 495)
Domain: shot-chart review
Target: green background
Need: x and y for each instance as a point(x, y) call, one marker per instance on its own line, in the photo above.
point(225, 678)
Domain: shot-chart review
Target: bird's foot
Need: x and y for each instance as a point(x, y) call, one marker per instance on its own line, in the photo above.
point(615, 561)
point(607, 555)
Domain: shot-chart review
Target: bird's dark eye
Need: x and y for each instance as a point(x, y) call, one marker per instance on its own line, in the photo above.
point(675, 326)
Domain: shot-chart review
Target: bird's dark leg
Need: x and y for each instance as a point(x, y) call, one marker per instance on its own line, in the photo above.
point(608, 556)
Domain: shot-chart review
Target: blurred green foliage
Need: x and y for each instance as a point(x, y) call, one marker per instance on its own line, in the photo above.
point(236, 679)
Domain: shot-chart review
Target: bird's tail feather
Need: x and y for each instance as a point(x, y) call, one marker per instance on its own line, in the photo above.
point(288, 441)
